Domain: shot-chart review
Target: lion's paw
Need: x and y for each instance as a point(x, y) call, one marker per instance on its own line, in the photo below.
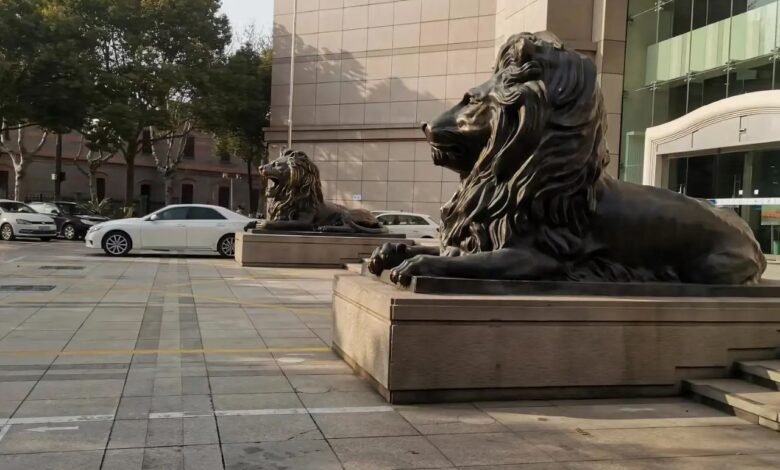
point(419, 265)
point(387, 256)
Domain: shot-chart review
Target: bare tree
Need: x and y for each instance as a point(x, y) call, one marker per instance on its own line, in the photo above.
point(20, 155)
point(94, 159)
point(167, 163)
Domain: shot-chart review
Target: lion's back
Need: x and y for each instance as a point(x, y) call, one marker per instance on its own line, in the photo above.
point(699, 241)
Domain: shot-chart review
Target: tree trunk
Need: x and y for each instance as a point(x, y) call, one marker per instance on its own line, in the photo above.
point(252, 203)
point(130, 176)
point(58, 168)
point(168, 190)
point(19, 171)
point(93, 196)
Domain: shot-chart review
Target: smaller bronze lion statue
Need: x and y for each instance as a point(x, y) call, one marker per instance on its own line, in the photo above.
point(294, 184)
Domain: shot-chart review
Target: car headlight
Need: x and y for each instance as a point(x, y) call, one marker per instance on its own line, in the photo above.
point(95, 228)
point(23, 222)
point(87, 222)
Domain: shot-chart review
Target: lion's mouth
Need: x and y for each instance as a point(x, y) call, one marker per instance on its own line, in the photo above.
point(453, 157)
point(273, 187)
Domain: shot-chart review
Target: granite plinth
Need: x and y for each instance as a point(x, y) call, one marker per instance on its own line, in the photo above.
point(442, 285)
point(434, 347)
point(328, 234)
point(306, 251)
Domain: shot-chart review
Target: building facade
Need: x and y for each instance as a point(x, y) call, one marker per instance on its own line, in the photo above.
point(700, 111)
point(203, 177)
point(367, 72)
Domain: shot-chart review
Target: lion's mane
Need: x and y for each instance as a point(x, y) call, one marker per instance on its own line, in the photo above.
point(302, 192)
point(536, 175)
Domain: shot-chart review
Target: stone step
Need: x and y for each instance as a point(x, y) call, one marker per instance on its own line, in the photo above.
point(765, 373)
point(747, 400)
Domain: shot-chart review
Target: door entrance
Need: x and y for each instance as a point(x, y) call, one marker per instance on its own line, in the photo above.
point(224, 197)
point(186, 193)
point(4, 178)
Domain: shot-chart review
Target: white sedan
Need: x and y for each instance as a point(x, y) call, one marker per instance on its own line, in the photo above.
point(411, 225)
point(185, 227)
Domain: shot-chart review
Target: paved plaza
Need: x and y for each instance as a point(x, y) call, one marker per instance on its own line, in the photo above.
point(175, 362)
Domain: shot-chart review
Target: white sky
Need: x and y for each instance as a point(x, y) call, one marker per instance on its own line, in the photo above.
point(243, 13)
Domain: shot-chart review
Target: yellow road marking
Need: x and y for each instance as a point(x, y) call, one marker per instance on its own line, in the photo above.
point(162, 352)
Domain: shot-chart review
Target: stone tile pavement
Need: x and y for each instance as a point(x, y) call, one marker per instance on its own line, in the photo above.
point(152, 362)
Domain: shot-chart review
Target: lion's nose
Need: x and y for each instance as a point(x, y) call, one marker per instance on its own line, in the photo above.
point(426, 129)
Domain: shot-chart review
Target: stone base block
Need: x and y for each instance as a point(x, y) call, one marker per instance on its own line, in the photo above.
point(305, 251)
point(431, 348)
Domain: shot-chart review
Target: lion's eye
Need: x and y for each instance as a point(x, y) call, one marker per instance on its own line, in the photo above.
point(473, 100)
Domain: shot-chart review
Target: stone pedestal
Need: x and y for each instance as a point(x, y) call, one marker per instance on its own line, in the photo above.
point(432, 347)
point(306, 251)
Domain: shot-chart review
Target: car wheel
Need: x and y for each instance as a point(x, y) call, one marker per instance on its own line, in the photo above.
point(227, 246)
point(69, 232)
point(117, 244)
point(7, 232)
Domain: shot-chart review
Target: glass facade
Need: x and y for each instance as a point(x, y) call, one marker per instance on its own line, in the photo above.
point(748, 182)
point(683, 54)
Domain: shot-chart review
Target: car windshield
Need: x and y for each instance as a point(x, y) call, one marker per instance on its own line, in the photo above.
point(73, 209)
point(16, 208)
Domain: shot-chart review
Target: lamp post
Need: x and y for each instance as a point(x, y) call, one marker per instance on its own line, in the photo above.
point(231, 178)
point(292, 77)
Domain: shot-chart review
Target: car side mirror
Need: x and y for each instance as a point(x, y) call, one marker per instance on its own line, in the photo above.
point(153, 217)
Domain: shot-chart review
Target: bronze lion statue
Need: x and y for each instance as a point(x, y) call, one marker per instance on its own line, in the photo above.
point(295, 187)
point(535, 201)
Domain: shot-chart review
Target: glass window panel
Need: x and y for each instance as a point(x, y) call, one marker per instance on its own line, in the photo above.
point(641, 50)
point(718, 10)
point(670, 101)
point(706, 88)
point(678, 175)
point(753, 32)
point(766, 176)
point(636, 7)
point(750, 76)
point(637, 117)
point(709, 46)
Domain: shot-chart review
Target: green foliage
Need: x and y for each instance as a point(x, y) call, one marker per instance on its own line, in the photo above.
point(153, 52)
point(46, 64)
point(238, 103)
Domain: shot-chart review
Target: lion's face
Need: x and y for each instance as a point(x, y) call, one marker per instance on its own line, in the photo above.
point(293, 185)
point(278, 174)
point(528, 143)
point(458, 135)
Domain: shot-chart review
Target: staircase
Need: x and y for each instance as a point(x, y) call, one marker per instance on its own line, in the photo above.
point(754, 394)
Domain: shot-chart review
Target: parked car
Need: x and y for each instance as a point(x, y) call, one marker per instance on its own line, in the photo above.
point(186, 227)
point(72, 220)
point(20, 220)
point(412, 225)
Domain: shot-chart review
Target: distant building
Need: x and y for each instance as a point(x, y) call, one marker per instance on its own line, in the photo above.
point(202, 177)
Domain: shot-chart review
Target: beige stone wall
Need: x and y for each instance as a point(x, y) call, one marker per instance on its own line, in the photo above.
point(609, 33)
point(364, 64)
point(367, 72)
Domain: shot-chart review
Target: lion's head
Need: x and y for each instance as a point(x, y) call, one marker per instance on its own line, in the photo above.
point(529, 145)
point(293, 183)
